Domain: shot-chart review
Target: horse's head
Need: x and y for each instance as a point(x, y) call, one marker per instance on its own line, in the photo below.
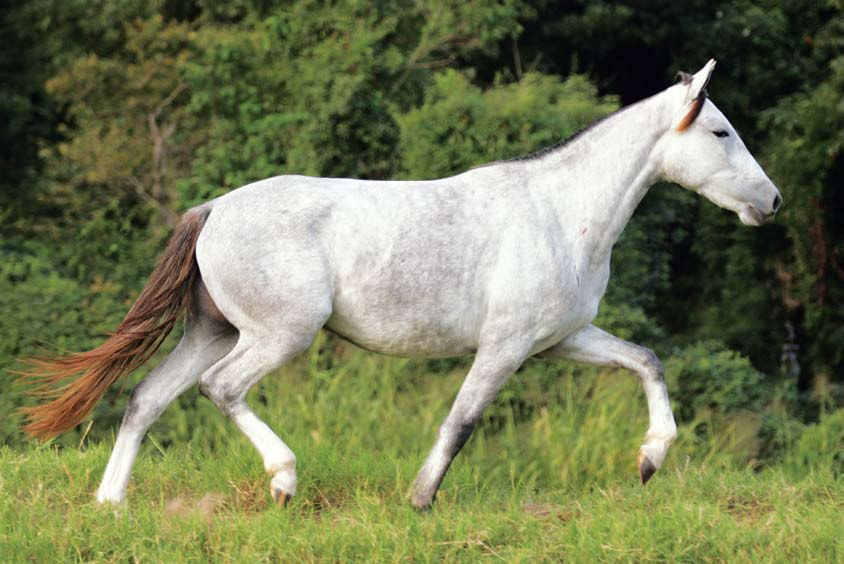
point(702, 152)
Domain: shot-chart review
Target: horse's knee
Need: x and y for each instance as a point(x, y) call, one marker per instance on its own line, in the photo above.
point(652, 367)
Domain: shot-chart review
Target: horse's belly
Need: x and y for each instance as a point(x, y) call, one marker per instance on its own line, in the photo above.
point(412, 331)
point(401, 339)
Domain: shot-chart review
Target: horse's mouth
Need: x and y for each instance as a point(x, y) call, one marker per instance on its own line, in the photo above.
point(750, 215)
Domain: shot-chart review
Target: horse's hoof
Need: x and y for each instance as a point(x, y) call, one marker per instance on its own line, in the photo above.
point(105, 499)
point(422, 506)
point(646, 468)
point(422, 502)
point(283, 486)
point(281, 497)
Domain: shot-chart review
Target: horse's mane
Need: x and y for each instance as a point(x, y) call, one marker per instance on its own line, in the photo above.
point(683, 77)
point(536, 155)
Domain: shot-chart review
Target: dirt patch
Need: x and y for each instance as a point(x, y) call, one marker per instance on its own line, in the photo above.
point(747, 508)
point(251, 496)
point(321, 500)
point(205, 507)
point(561, 513)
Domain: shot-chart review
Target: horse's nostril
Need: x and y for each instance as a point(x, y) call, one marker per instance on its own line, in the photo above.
point(777, 202)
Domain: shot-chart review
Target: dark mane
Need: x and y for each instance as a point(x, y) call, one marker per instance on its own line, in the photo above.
point(536, 155)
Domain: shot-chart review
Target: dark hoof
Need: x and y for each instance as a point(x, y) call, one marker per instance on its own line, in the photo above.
point(281, 497)
point(646, 468)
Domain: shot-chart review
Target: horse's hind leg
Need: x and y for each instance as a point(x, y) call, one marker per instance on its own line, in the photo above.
point(228, 381)
point(204, 343)
point(278, 294)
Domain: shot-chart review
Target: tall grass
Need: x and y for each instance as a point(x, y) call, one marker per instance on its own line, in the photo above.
point(555, 424)
point(549, 475)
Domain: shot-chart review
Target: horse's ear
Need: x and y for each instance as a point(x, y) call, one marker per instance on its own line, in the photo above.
point(697, 87)
point(695, 94)
point(684, 77)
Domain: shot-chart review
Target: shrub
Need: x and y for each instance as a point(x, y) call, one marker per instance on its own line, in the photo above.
point(820, 447)
point(710, 376)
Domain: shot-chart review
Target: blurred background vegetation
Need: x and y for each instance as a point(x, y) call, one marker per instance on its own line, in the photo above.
point(119, 115)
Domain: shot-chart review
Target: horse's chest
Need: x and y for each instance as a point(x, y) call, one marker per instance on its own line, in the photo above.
point(571, 305)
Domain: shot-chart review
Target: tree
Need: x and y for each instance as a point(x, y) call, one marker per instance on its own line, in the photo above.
point(807, 155)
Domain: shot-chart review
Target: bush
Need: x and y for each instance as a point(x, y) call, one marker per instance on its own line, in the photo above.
point(710, 376)
point(460, 126)
point(630, 323)
point(820, 447)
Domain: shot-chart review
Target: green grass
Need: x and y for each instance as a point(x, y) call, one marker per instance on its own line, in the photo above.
point(549, 476)
point(188, 506)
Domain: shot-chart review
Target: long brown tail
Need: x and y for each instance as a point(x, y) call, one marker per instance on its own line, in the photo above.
point(165, 297)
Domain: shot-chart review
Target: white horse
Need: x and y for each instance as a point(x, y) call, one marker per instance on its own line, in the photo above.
point(505, 261)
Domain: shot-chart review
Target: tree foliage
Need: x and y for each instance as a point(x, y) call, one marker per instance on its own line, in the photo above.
point(459, 125)
point(807, 154)
point(118, 116)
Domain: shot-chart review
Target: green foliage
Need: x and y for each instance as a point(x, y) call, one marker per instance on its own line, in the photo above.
point(117, 116)
point(733, 303)
point(459, 125)
point(807, 159)
point(52, 304)
point(630, 323)
point(313, 90)
point(709, 376)
point(559, 487)
point(820, 447)
point(643, 258)
point(27, 115)
point(128, 113)
point(766, 51)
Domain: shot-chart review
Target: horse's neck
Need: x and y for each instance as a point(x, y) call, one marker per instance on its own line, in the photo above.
point(596, 181)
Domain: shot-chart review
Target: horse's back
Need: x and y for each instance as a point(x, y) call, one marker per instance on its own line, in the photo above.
point(405, 265)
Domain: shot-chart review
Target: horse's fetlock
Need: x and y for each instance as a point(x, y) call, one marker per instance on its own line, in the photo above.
point(671, 433)
point(288, 465)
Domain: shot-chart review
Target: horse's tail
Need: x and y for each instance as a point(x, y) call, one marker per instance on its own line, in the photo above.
point(166, 296)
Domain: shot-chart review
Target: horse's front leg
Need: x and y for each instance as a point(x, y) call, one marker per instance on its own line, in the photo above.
point(492, 366)
point(594, 346)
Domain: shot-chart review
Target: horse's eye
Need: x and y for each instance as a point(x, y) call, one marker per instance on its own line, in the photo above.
point(720, 133)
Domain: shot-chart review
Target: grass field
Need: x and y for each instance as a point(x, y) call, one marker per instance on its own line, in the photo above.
point(550, 476)
point(187, 506)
